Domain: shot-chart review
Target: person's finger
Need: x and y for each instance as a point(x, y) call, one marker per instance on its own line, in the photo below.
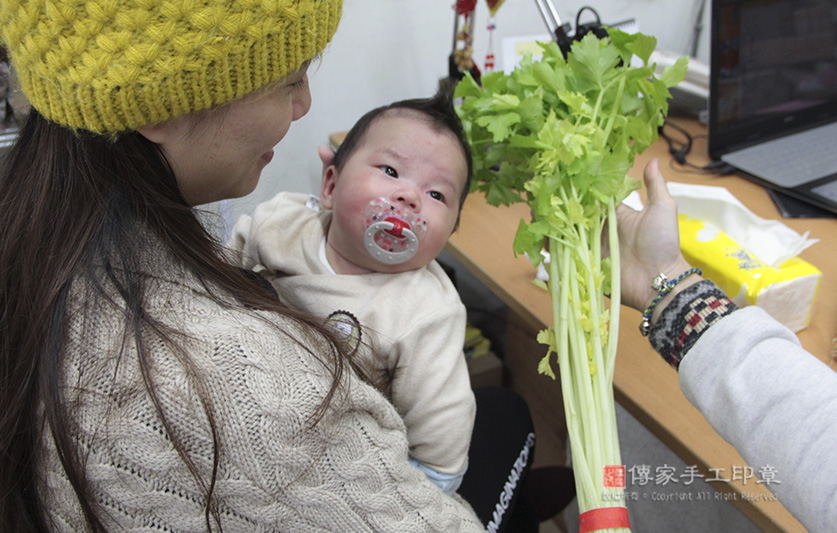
point(654, 180)
point(326, 155)
point(655, 184)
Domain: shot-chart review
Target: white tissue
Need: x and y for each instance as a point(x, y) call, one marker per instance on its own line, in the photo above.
point(769, 240)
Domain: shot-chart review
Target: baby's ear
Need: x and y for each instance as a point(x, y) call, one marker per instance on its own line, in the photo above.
point(329, 173)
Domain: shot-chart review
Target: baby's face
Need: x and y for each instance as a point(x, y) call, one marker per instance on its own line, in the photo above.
point(415, 167)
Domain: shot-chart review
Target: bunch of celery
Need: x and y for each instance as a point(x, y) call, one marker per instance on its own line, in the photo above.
point(561, 134)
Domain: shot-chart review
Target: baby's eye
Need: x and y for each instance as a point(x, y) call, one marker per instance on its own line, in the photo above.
point(389, 171)
point(436, 195)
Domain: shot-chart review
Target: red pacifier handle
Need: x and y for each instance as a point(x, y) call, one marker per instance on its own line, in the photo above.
point(398, 226)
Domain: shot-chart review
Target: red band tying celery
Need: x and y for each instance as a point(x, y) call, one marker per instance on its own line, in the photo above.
point(603, 518)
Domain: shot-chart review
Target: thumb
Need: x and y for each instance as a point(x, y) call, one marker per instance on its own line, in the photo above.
point(655, 183)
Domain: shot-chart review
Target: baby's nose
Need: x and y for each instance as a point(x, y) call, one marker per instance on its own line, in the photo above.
point(407, 198)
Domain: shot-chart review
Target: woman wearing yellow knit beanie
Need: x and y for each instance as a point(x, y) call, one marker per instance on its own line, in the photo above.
point(145, 383)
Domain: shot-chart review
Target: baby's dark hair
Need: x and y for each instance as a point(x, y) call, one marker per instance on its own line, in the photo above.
point(438, 109)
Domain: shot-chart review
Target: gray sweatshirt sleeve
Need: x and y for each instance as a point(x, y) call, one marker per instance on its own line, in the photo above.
point(775, 403)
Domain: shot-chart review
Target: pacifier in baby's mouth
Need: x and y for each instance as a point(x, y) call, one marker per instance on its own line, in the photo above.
point(392, 235)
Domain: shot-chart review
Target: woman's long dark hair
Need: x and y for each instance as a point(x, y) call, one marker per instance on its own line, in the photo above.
point(71, 203)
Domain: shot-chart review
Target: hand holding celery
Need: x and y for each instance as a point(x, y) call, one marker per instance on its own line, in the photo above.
point(561, 135)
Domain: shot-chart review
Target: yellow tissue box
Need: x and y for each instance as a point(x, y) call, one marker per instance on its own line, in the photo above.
point(787, 292)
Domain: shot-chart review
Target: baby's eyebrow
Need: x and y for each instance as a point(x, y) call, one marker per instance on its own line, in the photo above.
point(449, 181)
point(388, 150)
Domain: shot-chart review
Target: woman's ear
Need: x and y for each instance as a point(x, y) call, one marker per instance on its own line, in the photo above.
point(165, 131)
point(156, 133)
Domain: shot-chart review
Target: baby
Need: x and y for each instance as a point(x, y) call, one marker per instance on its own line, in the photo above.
point(364, 256)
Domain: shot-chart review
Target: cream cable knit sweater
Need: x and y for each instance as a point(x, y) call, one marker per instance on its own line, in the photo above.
point(277, 471)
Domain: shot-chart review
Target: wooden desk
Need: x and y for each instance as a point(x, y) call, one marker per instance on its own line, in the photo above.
point(645, 385)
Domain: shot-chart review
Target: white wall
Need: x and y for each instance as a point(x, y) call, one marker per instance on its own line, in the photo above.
point(387, 50)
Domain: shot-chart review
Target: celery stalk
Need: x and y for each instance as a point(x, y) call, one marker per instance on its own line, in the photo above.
point(561, 134)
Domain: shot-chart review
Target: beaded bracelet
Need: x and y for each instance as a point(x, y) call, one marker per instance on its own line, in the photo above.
point(664, 286)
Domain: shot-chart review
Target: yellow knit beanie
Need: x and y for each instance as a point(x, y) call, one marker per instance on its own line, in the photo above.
point(113, 65)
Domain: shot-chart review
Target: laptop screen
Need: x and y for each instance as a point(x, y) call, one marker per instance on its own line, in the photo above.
point(773, 70)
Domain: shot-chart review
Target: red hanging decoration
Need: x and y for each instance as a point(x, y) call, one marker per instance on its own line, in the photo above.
point(463, 49)
point(465, 7)
point(493, 6)
point(489, 56)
